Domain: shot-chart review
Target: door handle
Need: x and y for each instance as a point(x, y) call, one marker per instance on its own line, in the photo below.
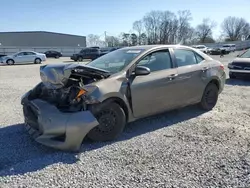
point(172, 76)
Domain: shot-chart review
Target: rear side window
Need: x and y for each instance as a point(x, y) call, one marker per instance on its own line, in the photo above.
point(185, 57)
point(198, 58)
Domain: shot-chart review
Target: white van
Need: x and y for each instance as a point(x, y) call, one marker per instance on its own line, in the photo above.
point(229, 47)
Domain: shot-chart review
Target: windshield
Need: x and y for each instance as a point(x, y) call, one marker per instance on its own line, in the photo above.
point(115, 61)
point(245, 54)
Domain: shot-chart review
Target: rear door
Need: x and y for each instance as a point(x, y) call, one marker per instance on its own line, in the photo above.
point(30, 57)
point(191, 72)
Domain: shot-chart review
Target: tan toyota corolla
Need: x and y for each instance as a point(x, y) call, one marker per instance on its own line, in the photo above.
point(97, 100)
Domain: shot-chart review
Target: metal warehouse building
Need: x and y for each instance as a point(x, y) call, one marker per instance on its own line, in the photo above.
point(41, 39)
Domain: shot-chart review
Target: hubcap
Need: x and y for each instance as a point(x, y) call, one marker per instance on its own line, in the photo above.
point(107, 121)
point(37, 60)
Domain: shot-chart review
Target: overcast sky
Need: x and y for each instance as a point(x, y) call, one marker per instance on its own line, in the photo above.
point(83, 17)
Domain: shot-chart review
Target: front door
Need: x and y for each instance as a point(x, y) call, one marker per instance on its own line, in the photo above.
point(155, 92)
point(19, 58)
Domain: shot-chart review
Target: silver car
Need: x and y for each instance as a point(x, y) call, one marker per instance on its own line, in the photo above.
point(23, 57)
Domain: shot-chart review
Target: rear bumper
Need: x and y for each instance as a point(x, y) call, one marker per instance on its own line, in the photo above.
point(56, 129)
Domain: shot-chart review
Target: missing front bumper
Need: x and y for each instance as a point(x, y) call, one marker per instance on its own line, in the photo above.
point(46, 124)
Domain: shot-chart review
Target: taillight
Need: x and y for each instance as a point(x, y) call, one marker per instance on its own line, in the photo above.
point(222, 67)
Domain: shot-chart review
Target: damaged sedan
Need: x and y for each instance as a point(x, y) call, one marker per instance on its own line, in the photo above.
point(97, 100)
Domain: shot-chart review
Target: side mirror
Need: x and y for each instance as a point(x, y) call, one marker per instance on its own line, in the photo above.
point(238, 55)
point(141, 71)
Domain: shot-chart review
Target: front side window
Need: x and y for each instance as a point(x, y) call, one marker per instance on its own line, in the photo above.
point(116, 61)
point(185, 57)
point(157, 61)
point(30, 53)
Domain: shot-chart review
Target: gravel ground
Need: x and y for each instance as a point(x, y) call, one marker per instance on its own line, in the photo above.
point(184, 148)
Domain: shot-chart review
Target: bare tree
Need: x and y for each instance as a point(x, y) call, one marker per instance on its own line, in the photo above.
point(112, 41)
point(204, 30)
point(94, 40)
point(138, 27)
point(165, 27)
point(152, 23)
point(133, 39)
point(185, 31)
point(234, 28)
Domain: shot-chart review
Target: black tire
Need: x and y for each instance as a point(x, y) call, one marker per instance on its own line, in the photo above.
point(232, 76)
point(112, 120)
point(37, 61)
point(57, 56)
point(10, 62)
point(80, 59)
point(210, 97)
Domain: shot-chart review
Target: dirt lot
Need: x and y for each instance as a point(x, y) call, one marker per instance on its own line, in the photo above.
point(184, 148)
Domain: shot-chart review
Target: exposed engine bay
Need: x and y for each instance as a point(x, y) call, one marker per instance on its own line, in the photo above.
point(63, 85)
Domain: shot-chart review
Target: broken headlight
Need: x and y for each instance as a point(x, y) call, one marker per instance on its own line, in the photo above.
point(90, 100)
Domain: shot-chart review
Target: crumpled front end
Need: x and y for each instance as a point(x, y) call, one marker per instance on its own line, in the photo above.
point(54, 128)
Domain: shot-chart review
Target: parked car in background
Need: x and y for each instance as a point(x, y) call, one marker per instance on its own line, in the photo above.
point(217, 51)
point(98, 99)
point(23, 57)
point(240, 66)
point(2, 55)
point(229, 47)
point(109, 49)
point(202, 48)
point(88, 53)
point(53, 53)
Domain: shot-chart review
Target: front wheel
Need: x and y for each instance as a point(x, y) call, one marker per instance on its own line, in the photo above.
point(210, 97)
point(112, 120)
point(10, 62)
point(232, 76)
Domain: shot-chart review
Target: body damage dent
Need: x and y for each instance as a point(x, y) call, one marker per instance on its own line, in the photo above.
point(52, 123)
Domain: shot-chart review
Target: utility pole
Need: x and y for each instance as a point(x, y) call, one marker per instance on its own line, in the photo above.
point(105, 36)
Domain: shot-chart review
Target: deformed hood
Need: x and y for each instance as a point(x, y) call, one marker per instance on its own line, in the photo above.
point(57, 75)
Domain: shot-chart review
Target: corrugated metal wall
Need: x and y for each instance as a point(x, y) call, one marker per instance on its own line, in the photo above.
point(40, 38)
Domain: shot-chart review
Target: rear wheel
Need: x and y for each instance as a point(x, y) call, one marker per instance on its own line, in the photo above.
point(37, 61)
point(80, 59)
point(112, 120)
point(210, 97)
point(10, 62)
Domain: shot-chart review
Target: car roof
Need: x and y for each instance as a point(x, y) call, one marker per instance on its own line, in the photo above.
point(156, 46)
point(26, 51)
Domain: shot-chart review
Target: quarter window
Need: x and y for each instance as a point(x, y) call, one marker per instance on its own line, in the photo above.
point(157, 61)
point(185, 57)
point(198, 58)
